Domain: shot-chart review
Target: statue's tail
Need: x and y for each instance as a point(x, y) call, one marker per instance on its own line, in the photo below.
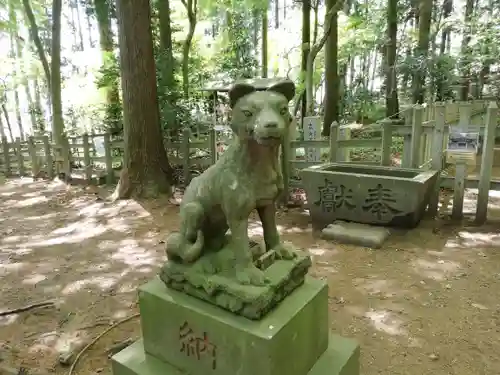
point(182, 251)
point(193, 251)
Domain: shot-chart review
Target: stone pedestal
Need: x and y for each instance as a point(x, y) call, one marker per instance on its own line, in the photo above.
point(184, 335)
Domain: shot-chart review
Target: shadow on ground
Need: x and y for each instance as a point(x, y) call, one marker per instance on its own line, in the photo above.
point(427, 303)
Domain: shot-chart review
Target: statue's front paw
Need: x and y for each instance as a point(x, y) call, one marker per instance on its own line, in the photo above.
point(251, 275)
point(285, 252)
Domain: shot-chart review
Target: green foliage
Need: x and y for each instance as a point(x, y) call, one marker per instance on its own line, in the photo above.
point(108, 78)
point(442, 74)
point(176, 112)
point(40, 121)
point(362, 105)
point(232, 54)
point(237, 59)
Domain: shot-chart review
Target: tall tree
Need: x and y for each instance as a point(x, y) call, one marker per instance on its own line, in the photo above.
point(192, 14)
point(422, 50)
point(332, 82)
point(3, 105)
point(306, 46)
point(79, 24)
point(25, 81)
point(265, 25)
point(166, 42)
point(313, 52)
point(276, 14)
point(344, 67)
point(35, 36)
point(2, 129)
point(167, 68)
point(391, 83)
point(145, 172)
point(441, 84)
point(113, 105)
point(55, 74)
point(465, 51)
point(55, 50)
point(15, 55)
point(486, 50)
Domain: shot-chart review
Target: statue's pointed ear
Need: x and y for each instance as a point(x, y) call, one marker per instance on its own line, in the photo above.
point(285, 87)
point(239, 90)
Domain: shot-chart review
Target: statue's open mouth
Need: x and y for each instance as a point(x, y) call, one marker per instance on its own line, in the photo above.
point(269, 140)
point(270, 137)
point(265, 138)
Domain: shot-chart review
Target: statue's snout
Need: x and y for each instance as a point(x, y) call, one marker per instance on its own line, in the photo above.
point(271, 125)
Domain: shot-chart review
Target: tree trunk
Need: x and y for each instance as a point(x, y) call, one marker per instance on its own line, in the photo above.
point(145, 171)
point(441, 84)
point(79, 22)
point(343, 69)
point(7, 120)
point(352, 72)
point(488, 61)
point(167, 69)
point(309, 83)
point(90, 30)
point(332, 82)
point(315, 9)
point(17, 109)
point(374, 70)
point(264, 42)
point(35, 36)
point(306, 47)
point(25, 81)
point(38, 104)
point(73, 23)
point(465, 51)
point(276, 14)
point(391, 83)
point(2, 129)
point(166, 42)
point(104, 24)
point(256, 27)
point(31, 105)
point(192, 9)
point(422, 50)
point(113, 105)
point(55, 84)
point(15, 55)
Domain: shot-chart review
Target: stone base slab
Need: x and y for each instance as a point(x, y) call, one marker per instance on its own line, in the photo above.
point(201, 338)
point(340, 358)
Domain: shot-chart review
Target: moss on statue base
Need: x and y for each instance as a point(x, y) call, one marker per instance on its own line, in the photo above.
point(212, 279)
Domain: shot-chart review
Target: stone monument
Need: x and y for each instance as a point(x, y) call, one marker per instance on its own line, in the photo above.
point(224, 304)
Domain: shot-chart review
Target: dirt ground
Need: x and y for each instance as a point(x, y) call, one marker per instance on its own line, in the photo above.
point(427, 303)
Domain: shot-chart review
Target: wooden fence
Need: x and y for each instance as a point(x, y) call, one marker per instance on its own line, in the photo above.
point(81, 157)
point(424, 131)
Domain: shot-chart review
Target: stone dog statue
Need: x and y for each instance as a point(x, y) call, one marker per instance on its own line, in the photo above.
point(248, 176)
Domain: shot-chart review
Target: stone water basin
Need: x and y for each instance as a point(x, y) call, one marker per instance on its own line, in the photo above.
point(367, 194)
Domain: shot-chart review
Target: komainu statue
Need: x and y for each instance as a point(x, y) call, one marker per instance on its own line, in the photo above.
point(225, 269)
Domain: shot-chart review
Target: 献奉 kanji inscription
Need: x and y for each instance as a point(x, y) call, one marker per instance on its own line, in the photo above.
point(380, 202)
point(333, 197)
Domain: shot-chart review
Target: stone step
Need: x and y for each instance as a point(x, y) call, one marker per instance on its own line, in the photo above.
point(340, 358)
point(356, 234)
